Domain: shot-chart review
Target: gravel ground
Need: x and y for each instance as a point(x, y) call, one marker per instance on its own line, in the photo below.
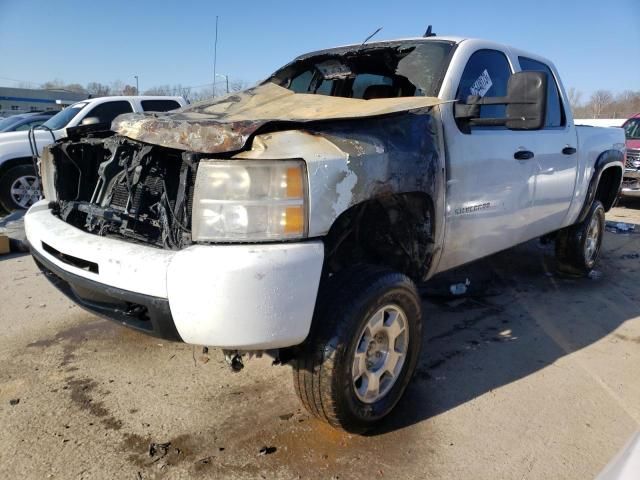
point(534, 377)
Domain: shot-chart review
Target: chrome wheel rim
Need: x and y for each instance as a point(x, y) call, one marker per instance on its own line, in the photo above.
point(380, 353)
point(591, 240)
point(25, 191)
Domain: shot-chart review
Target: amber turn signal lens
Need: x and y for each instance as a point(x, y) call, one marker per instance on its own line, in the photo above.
point(294, 220)
point(294, 182)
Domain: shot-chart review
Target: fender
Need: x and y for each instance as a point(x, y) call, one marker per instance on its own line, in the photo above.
point(607, 159)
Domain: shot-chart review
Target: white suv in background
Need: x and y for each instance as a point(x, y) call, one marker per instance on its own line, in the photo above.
point(19, 186)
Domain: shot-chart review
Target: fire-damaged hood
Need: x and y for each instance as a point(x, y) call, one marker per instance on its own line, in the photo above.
point(226, 124)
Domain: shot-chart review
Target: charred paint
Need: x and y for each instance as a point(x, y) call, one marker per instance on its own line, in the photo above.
point(226, 124)
point(389, 155)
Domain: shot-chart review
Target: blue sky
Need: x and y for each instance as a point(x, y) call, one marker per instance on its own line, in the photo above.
point(594, 43)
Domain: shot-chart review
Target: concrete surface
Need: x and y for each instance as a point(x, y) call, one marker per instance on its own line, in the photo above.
point(535, 377)
point(12, 225)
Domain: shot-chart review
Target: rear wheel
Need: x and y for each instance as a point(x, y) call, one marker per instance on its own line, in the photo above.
point(19, 188)
point(363, 348)
point(578, 246)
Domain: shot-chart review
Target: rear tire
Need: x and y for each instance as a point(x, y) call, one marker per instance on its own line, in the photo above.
point(19, 188)
point(578, 246)
point(366, 333)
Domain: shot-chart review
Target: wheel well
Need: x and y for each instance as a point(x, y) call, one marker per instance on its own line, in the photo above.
point(14, 162)
point(393, 230)
point(609, 186)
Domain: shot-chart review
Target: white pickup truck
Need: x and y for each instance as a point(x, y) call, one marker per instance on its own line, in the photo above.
point(296, 218)
point(19, 186)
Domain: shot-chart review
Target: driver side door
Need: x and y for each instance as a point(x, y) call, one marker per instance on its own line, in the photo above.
point(490, 190)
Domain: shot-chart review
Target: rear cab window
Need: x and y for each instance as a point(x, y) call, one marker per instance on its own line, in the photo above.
point(555, 111)
point(159, 105)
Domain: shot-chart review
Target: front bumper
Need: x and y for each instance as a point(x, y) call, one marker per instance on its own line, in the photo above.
point(630, 183)
point(246, 297)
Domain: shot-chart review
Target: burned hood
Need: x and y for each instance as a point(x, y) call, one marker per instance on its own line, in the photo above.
point(227, 123)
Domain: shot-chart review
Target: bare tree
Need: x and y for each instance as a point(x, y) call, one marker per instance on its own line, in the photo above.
point(98, 89)
point(177, 89)
point(575, 96)
point(238, 85)
point(26, 85)
point(117, 86)
point(55, 84)
point(158, 90)
point(599, 102)
point(627, 103)
point(75, 87)
point(200, 95)
point(129, 90)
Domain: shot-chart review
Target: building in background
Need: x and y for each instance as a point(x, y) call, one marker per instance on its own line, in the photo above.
point(21, 100)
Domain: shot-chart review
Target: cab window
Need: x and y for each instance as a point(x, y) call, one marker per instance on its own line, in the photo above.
point(486, 75)
point(555, 112)
point(106, 112)
point(29, 125)
point(632, 129)
point(159, 105)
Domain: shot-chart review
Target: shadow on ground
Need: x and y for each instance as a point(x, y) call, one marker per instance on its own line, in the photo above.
point(522, 318)
point(97, 387)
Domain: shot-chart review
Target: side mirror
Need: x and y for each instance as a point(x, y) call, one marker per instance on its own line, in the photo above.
point(90, 121)
point(526, 103)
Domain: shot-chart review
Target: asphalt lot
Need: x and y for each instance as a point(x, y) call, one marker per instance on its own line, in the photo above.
point(533, 377)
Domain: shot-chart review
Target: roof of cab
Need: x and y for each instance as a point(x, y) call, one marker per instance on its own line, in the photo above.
point(444, 38)
point(450, 39)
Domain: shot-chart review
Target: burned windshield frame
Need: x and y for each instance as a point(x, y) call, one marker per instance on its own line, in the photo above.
point(333, 72)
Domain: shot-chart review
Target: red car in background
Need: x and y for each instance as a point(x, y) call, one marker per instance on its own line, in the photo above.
point(631, 181)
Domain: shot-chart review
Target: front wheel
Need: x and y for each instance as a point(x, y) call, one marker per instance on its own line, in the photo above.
point(19, 188)
point(578, 246)
point(363, 348)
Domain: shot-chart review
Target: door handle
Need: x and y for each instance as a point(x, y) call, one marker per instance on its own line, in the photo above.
point(569, 150)
point(523, 155)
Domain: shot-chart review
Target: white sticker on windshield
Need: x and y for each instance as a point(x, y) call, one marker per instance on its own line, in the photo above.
point(482, 85)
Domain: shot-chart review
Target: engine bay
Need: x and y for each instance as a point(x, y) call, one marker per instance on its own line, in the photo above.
point(115, 186)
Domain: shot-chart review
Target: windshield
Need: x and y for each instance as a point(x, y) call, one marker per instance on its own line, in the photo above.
point(8, 122)
point(632, 129)
point(384, 70)
point(62, 119)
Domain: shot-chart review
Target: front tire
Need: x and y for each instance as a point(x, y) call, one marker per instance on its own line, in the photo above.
point(578, 246)
point(363, 349)
point(19, 188)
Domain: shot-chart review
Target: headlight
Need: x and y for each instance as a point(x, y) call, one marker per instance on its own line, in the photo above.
point(249, 200)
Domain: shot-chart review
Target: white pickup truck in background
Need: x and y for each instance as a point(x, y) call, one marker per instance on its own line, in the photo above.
point(18, 183)
point(297, 217)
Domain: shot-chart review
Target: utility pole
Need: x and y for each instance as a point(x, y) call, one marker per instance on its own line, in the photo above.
point(215, 57)
point(226, 78)
point(137, 89)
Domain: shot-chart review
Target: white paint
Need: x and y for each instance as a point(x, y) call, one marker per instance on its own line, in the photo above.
point(250, 297)
point(16, 144)
point(125, 265)
point(600, 122)
point(626, 464)
point(535, 196)
point(246, 297)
